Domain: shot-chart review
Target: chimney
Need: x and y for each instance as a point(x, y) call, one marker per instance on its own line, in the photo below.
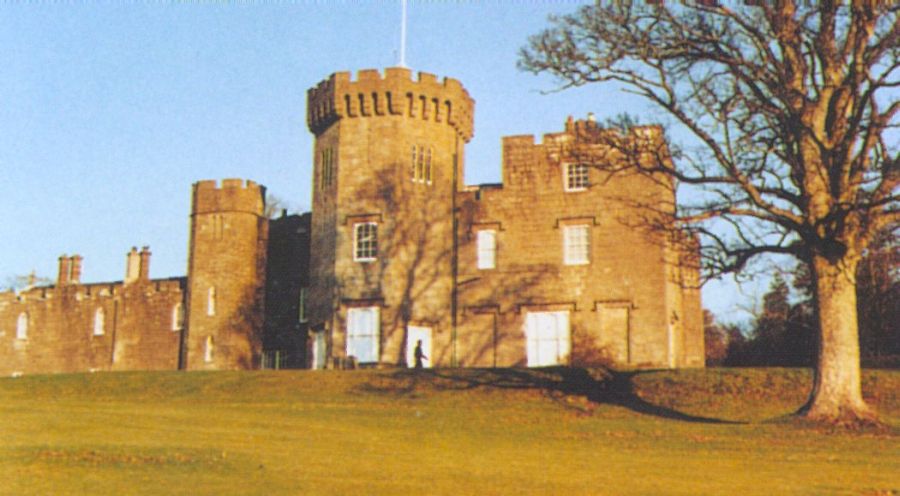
point(132, 265)
point(75, 274)
point(144, 271)
point(63, 278)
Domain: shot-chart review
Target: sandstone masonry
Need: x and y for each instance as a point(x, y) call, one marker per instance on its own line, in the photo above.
point(571, 260)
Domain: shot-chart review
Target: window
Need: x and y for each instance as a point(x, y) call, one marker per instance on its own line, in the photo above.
point(420, 166)
point(301, 306)
point(487, 249)
point(576, 245)
point(22, 326)
point(365, 243)
point(577, 177)
point(547, 339)
point(178, 317)
point(218, 227)
point(326, 165)
point(208, 350)
point(99, 319)
point(211, 301)
point(363, 326)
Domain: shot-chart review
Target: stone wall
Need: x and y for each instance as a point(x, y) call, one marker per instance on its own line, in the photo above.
point(632, 303)
point(622, 305)
point(74, 327)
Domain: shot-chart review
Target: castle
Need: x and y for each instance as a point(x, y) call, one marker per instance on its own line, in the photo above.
point(556, 265)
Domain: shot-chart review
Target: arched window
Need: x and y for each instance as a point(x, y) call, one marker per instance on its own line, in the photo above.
point(178, 317)
point(211, 301)
point(22, 326)
point(99, 321)
point(208, 350)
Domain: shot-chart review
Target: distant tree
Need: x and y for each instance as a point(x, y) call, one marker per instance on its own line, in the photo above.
point(715, 339)
point(276, 206)
point(781, 334)
point(790, 109)
point(878, 297)
point(22, 282)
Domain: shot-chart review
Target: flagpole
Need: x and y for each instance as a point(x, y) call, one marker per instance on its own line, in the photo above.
point(403, 34)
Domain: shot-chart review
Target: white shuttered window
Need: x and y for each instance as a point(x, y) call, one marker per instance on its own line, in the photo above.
point(363, 328)
point(487, 249)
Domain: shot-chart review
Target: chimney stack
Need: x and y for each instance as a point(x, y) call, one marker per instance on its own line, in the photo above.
point(75, 274)
point(132, 265)
point(63, 278)
point(144, 271)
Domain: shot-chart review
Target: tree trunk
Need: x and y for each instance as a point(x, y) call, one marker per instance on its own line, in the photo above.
point(837, 393)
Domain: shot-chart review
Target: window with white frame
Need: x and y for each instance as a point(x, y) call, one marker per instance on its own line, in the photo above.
point(577, 244)
point(577, 177)
point(99, 321)
point(178, 317)
point(363, 327)
point(211, 301)
point(301, 306)
point(22, 326)
point(487, 249)
point(365, 241)
point(208, 350)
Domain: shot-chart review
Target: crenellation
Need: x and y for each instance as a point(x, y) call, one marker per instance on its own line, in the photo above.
point(234, 195)
point(480, 270)
point(425, 98)
point(368, 75)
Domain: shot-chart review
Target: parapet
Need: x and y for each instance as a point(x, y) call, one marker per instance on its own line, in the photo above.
point(395, 93)
point(233, 195)
point(587, 131)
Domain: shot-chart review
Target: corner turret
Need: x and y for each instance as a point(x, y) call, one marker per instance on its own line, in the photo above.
point(226, 275)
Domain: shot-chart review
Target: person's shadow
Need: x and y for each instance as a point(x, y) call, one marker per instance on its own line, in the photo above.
point(598, 386)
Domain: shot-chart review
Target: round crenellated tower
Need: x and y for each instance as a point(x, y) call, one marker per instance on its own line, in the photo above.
point(387, 161)
point(394, 94)
point(226, 276)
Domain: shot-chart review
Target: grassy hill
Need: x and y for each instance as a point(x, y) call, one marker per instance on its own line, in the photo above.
point(557, 431)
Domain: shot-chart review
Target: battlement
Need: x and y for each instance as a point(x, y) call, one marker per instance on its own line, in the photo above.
point(393, 94)
point(233, 195)
point(587, 131)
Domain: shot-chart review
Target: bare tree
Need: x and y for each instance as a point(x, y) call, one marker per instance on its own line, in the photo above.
point(277, 206)
point(792, 110)
point(25, 282)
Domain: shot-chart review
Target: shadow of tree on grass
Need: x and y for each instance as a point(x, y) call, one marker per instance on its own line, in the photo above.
point(598, 386)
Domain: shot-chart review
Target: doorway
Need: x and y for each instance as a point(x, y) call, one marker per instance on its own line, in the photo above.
point(414, 334)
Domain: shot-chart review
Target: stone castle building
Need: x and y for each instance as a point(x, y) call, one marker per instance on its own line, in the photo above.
point(562, 263)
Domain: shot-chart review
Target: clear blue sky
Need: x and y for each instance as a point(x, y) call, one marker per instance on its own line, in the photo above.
point(108, 113)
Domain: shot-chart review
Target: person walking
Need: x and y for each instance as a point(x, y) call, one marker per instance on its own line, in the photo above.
point(419, 355)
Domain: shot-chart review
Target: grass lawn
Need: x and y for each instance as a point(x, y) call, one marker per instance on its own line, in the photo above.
point(556, 432)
